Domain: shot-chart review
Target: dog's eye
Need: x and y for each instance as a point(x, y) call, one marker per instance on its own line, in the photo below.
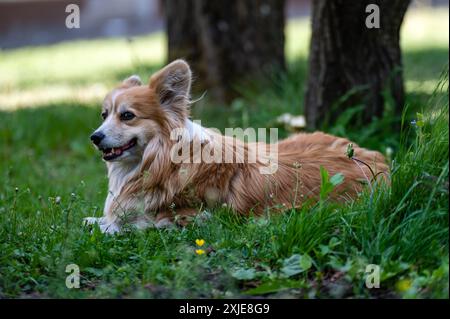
point(126, 116)
point(104, 115)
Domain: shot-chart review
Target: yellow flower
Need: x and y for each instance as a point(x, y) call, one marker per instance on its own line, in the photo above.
point(199, 251)
point(403, 285)
point(200, 242)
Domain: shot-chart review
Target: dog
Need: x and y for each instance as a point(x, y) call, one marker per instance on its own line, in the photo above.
point(148, 188)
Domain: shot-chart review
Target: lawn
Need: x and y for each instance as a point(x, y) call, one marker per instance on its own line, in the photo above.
point(51, 177)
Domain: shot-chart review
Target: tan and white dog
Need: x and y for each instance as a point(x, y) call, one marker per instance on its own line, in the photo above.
point(148, 188)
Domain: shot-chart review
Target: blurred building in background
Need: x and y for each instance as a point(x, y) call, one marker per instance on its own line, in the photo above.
point(39, 22)
point(36, 22)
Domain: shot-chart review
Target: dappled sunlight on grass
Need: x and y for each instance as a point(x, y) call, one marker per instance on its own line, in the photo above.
point(84, 61)
point(425, 28)
point(298, 33)
point(85, 70)
point(52, 93)
point(426, 87)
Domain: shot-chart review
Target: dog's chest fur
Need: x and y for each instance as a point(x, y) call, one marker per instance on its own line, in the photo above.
point(118, 174)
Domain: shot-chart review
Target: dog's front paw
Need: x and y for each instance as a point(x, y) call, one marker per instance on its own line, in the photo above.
point(105, 227)
point(109, 228)
point(93, 220)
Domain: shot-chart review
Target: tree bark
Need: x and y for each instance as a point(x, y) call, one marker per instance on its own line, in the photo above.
point(226, 42)
point(349, 59)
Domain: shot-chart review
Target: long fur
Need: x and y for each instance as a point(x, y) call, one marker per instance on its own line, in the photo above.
point(155, 190)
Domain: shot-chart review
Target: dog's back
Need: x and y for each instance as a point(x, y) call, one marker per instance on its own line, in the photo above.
point(318, 149)
point(298, 177)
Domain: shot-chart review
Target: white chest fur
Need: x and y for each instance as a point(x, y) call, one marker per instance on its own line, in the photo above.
point(118, 174)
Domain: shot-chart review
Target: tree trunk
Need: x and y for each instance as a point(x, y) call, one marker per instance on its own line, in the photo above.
point(349, 59)
point(226, 42)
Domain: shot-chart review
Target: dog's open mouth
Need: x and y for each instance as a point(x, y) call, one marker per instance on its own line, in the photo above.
point(115, 152)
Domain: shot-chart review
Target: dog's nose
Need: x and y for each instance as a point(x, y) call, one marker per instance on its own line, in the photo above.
point(97, 137)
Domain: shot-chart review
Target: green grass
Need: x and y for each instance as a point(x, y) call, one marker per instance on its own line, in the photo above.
point(51, 177)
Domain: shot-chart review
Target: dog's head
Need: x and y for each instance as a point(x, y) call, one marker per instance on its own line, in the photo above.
point(133, 113)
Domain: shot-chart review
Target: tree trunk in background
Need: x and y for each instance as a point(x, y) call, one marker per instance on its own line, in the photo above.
point(226, 41)
point(346, 57)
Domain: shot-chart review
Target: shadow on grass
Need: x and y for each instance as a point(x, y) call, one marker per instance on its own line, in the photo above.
point(54, 127)
point(425, 64)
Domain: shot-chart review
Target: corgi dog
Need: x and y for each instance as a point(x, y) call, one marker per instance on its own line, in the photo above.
point(148, 187)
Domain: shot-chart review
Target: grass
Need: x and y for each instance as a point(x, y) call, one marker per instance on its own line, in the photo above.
point(51, 177)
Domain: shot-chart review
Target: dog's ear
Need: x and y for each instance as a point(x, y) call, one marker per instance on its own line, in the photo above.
point(172, 84)
point(131, 81)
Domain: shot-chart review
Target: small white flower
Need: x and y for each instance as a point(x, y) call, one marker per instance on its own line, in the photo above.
point(389, 151)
